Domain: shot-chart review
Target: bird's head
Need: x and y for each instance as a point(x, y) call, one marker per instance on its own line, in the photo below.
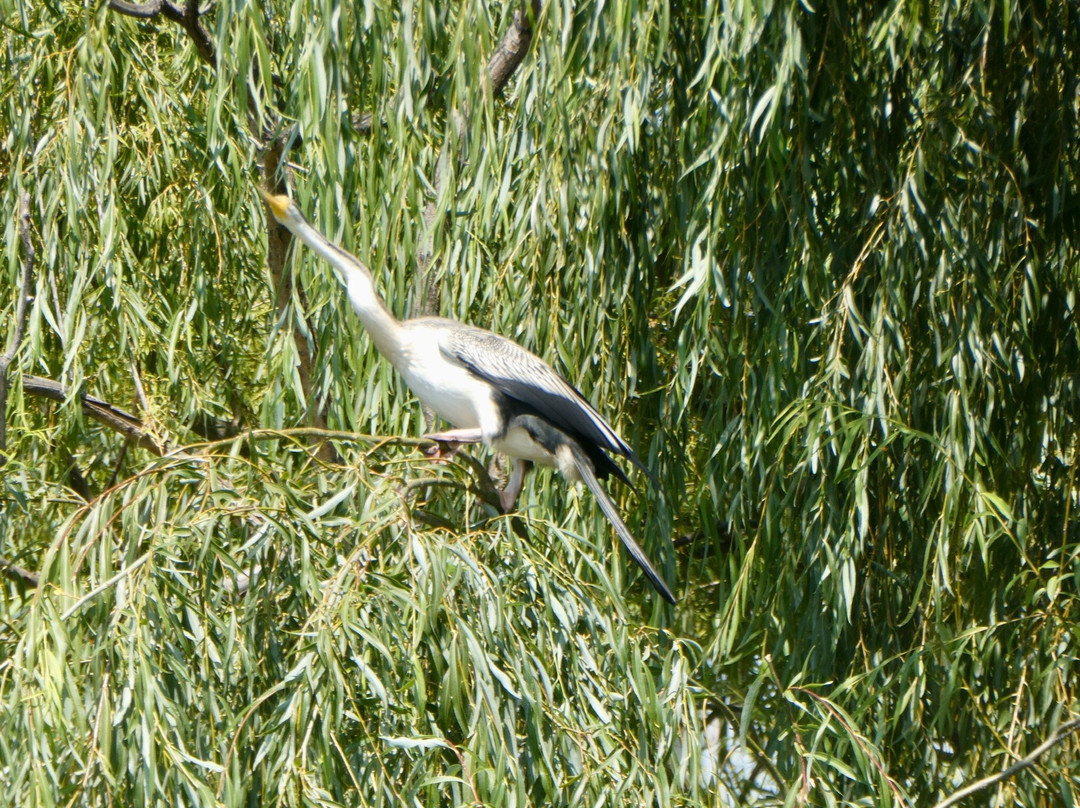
point(284, 209)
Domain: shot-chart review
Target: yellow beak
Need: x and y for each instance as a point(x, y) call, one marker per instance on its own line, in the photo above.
point(278, 203)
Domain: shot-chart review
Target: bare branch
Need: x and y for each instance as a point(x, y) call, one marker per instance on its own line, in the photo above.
point(28, 273)
point(1056, 737)
point(101, 411)
point(513, 46)
point(278, 237)
point(147, 10)
point(278, 240)
point(187, 18)
point(15, 338)
point(198, 33)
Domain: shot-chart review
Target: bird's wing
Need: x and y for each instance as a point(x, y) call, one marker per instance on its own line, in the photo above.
point(523, 376)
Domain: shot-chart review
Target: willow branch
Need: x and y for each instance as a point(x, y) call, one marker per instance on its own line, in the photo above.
point(119, 420)
point(205, 426)
point(22, 307)
point(509, 54)
point(1055, 738)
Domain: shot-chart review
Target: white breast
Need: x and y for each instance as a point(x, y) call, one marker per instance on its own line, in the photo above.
point(455, 395)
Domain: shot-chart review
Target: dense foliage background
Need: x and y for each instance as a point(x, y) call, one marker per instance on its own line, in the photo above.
point(817, 261)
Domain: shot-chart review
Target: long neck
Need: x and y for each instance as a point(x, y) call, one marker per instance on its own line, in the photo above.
point(385, 330)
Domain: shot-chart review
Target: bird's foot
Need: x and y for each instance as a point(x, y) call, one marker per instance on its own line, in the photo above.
point(442, 450)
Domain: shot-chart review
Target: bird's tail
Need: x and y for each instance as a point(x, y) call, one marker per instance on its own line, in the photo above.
point(585, 470)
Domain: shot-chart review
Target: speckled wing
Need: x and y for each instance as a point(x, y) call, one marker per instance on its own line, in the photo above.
point(526, 378)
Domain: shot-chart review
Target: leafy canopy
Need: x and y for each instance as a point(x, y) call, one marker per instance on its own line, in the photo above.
point(817, 262)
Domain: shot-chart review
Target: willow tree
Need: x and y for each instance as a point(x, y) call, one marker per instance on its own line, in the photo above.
point(818, 262)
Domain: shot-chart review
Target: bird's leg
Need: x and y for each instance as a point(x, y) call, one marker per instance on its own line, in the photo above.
point(456, 436)
point(508, 496)
point(451, 439)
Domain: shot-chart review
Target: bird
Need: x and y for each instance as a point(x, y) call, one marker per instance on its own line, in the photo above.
point(487, 387)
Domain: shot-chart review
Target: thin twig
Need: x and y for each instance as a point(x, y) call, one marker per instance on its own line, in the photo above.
point(140, 392)
point(1056, 737)
point(97, 590)
point(15, 338)
point(858, 740)
point(119, 464)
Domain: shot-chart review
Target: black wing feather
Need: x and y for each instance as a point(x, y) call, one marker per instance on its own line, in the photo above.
point(528, 379)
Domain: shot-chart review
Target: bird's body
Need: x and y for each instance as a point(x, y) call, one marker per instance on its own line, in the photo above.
point(455, 394)
point(431, 370)
point(488, 387)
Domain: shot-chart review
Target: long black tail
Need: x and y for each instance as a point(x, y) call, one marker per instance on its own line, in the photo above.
point(557, 442)
point(585, 470)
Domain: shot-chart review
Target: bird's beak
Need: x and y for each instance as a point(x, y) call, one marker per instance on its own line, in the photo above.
point(278, 203)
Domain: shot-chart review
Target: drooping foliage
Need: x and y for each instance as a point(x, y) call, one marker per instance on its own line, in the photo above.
point(817, 261)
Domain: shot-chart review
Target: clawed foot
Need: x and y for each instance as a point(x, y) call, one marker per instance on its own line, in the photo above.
point(442, 450)
point(507, 500)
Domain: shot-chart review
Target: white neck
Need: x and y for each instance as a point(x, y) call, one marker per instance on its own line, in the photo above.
point(385, 330)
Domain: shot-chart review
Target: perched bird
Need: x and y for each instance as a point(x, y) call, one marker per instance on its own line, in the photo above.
point(488, 387)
